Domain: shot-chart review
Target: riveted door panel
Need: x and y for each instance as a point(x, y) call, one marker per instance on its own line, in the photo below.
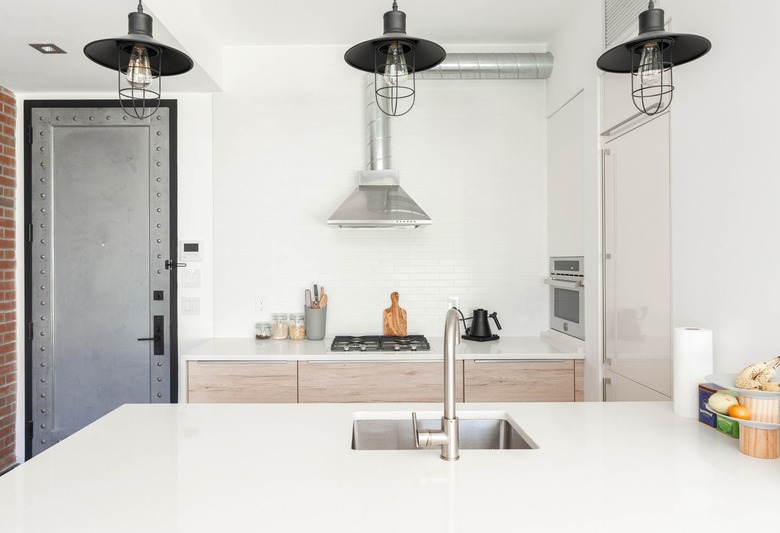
point(99, 231)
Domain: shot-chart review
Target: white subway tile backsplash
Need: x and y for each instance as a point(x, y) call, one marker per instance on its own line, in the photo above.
point(478, 167)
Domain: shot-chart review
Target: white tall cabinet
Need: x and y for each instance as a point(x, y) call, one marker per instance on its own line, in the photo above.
point(637, 258)
point(566, 179)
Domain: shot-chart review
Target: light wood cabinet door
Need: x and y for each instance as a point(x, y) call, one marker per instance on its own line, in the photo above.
point(242, 382)
point(519, 381)
point(579, 380)
point(344, 382)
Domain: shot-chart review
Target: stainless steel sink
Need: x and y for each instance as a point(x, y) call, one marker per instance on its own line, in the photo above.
point(495, 433)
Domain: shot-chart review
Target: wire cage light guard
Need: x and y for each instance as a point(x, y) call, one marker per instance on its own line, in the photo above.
point(394, 98)
point(652, 99)
point(140, 103)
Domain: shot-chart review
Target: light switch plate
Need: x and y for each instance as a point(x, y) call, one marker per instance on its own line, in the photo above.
point(190, 278)
point(190, 306)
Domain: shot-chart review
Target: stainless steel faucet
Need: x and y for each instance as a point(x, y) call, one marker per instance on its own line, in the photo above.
point(447, 437)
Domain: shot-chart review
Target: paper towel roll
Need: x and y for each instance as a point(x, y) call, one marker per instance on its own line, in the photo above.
point(692, 353)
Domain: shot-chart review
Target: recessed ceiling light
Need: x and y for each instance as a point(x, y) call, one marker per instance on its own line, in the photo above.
point(48, 48)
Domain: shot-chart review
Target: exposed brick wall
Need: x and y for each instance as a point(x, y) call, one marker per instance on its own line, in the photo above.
point(8, 374)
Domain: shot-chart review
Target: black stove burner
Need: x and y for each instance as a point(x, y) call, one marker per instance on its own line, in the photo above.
point(380, 343)
point(366, 343)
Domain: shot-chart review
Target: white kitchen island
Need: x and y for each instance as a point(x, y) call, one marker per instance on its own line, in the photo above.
point(600, 467)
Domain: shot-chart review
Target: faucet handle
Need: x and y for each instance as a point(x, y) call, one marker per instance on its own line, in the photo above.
point(414, 430)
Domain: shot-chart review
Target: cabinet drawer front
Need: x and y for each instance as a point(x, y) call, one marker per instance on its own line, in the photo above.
point(528, 381)
point(375, 382)
point(250, 382)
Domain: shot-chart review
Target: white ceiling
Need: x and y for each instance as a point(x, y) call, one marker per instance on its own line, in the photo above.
point(346, 22)
point(179, 23)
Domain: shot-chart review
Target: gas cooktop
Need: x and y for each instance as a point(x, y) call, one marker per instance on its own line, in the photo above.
point(380, 343)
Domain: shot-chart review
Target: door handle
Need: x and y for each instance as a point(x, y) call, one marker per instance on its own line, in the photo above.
point(173, 264)
point(159, 338)
point(564, 284)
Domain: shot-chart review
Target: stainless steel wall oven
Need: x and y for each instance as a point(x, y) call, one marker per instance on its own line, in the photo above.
point(567, 295)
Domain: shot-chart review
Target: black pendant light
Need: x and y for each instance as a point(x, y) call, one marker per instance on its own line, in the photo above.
point(394, 58)
point(649, 59)
point(139, 61)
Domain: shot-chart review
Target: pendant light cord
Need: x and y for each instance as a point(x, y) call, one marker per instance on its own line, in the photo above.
point(651, 5)
point(141, 7)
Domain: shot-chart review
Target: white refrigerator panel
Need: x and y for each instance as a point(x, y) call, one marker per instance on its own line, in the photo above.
point(637, 262)
point(618, 388)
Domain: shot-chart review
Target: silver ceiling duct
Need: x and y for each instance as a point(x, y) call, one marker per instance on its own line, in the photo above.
point(379, 201)
point(491, 67)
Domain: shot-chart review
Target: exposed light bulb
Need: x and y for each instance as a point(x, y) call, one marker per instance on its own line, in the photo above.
point(651, 65)
point(396, 71)
point(139, 70)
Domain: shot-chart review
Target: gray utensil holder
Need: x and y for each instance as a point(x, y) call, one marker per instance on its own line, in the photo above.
point(315, 323)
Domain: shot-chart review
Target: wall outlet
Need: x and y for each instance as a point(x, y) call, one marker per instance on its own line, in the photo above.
point(453, 301)
point(260, 304)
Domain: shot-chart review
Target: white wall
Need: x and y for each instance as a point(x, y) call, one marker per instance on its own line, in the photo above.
point(195, 210)
point(724, 178)
point(725, 185)
point(287, 149)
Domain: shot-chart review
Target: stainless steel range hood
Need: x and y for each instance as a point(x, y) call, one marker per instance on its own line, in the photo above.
point(379, 202)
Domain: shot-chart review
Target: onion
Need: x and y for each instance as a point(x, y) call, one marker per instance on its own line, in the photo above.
point(720, 402)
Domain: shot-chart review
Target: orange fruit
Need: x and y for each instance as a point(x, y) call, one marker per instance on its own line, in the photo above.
point(739, 411)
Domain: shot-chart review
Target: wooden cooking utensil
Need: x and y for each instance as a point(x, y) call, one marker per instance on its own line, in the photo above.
point(323, 299)
point(394, 318)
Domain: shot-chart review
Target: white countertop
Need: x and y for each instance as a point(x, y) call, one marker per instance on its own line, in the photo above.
point(601, 467)
point(247, 348)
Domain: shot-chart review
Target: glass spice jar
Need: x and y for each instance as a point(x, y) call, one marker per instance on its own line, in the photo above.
point(263, 330)
point(279, 326)
point(297, 326)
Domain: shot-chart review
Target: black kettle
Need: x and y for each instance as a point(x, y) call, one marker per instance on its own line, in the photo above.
point(480, 328)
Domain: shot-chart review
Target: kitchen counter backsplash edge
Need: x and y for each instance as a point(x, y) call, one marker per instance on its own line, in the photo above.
point(249, 349)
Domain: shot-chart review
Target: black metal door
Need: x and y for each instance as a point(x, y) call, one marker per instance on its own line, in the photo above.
point(100, 302)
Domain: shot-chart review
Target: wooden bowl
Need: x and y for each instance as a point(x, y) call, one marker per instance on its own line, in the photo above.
point(766, 410)
point(760, 443)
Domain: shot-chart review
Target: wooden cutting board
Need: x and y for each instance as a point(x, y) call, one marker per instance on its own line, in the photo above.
point(395, 318)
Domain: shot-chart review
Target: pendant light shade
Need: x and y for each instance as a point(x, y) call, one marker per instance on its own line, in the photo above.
point(394, 58)
point(650, 57)
point(140, 62)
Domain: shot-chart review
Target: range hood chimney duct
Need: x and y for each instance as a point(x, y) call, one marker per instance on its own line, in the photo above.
point(377, 131)
point(379, 202)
